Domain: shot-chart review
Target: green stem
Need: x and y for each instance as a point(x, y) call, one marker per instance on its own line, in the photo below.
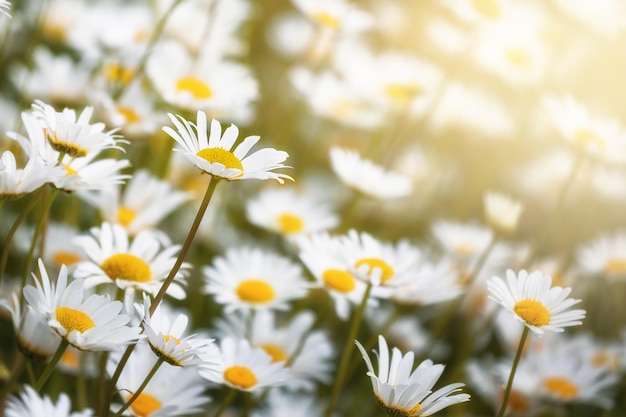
point(229, 399)
point(51, 365)
point(143, 385)
point(509, 384)
point(347, 352)
point(101, 387)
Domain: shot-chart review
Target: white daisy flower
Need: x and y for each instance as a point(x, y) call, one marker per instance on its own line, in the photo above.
point(60, 248)
point(502, 212)
point(407, 392)
point(141, 264)
point(88, 323)
point(431, 283)
point(172, 391)
point(288, 212)
point(30, 404)
point(463, 241)
point(214, 156)
point(336, 15)
point(605, 256)
point(532, 300)
point(248, 278)
point(366, 177)
point(17, 182)
point(167, 337)
point(246, 368)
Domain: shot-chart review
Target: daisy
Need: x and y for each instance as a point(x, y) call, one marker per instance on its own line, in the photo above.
point(366, 177)
point(248, 278)
point(16, 182)
point(463, 241)
point(605, 256)
point(214, 156)
point(431, 283)
point(289, 213)
point(336, 15)
point(141, 264)
point(246, 368)
point(172, 391)
point(88, 323)
point(166, 337)
point(531, 299)
point(29, 403)
point(407, 392)
point(60, 248)
point(502, 211)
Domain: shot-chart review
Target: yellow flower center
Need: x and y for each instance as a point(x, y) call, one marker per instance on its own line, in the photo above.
point(587, 137)
point(69, 170)
point(64, 257)
point(116, 73)
point(326, 19)
point(615, 266)
point(255, 291)
point(339, 280)
point(125, 216)
point(221, 156)
point(464, 249)
point(290, 223)
point(129, 114)
point(144, 405)
point(415, 409)
point(276, 352)
point(377, 263)
point(605, 359)
point(240, 376)
point(72, 319)
point(127, 267)
point(61, 146)
point(518, 57)
point(560, 387)
point(403, 93)
point(532, 312)
point(489, 9)
point(195, 87)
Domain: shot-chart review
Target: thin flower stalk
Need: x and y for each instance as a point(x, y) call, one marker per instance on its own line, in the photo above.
point(509, 384)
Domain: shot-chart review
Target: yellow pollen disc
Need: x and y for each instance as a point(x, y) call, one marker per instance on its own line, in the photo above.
point(59, 145)
point(489, 9)
point(415, 409)
point(532, 312)
point(339, 280)
point(129, 114)
point(326, 19)
point(587, 137)
point(403, 93)
point(276, 352)
point(290, 223)
point(615, 266)
point(70, 359)
point(72, 319)
point(255, 291)
point(240, 376)
point(518, 58)
point(115, 73)
point(222, 156)
point(196, 87)
point(144, 405)
point(125, 216)
point(560, 387)
point(377, 263)
point(127, 267)
point(64, 257)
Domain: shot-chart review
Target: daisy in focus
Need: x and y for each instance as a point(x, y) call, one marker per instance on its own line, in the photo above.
point(405, 391)
point(87, 323)
point(29, 403)
point(366, 177)
point(534, 302)
point(213, 155)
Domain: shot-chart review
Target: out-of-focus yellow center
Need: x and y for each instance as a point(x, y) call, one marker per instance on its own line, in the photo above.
point(489, 9)
point(290, 223)
point(129, 114)
point(403, 93)
point(125, 216)
point(221, 156)
point(587, 137)
point(198, 89)
point(339, 280)
point(326, 19)
point(377, 263)
point(615, 266)
point(532, 312)
point(64, 257)
point(518, 402)
point(118, 74)
point(70, 359)
point(144, 405)
point(605, 359)
point(560, 387)
point(276, 352)
point(464, 249)
point(518, 57)
point(127, 267)
point(72, 319)
point(255, 291)
point(240, 376)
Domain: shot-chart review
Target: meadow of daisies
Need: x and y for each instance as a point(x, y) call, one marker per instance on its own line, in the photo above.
point(321, 208)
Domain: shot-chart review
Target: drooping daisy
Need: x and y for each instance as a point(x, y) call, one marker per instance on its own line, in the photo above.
point(16, 182)
point(29, 403)
point(213, 155)
point(248, 278)
point(605, 256)
point(246, 368)
point(534, 302)
point(288, 212)
point(172, 391)
point(406, 392)
point(366, 177)
point(502, 211)
point(141, 264)
point(88, 323)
